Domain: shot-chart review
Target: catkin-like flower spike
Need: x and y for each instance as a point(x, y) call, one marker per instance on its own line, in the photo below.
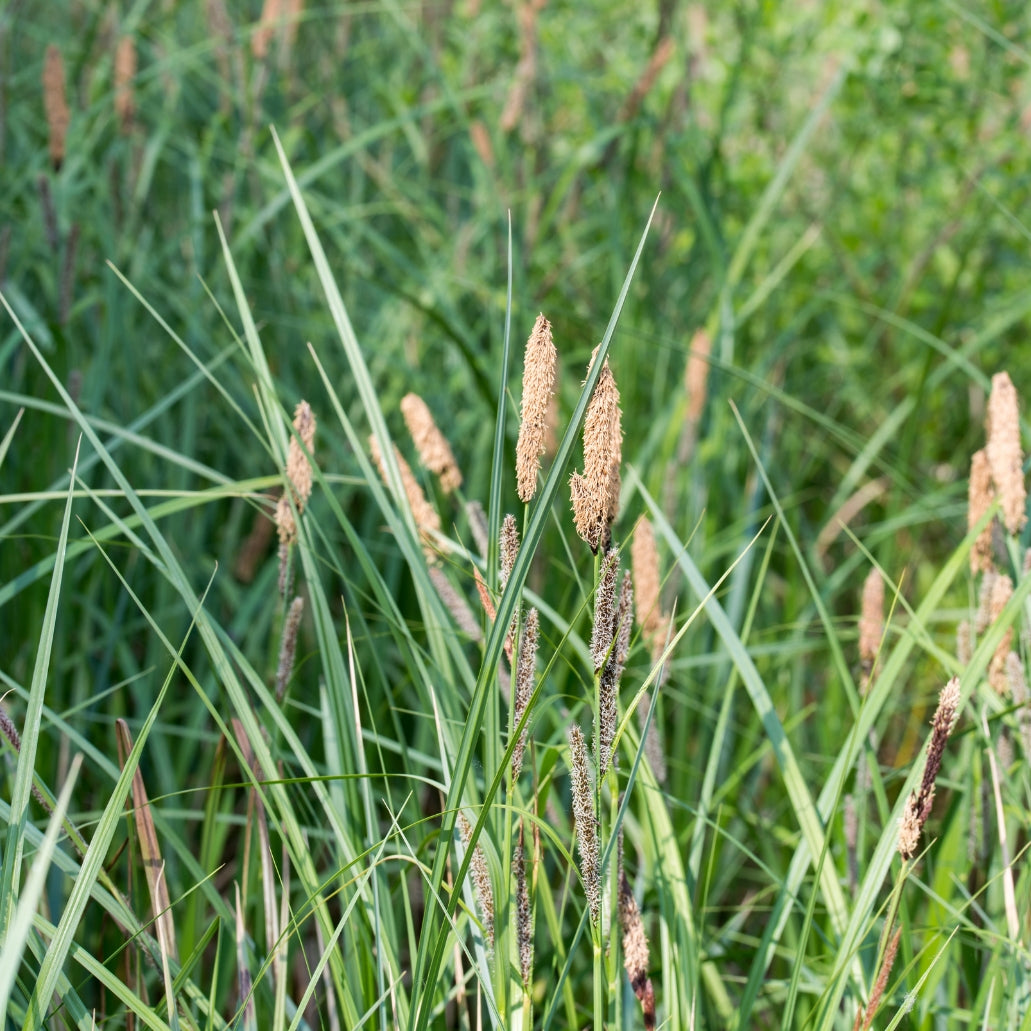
point(424, 514)
point(608, 683)
point(525, 671)
point(434, 451)
point(538, 383)
point(644, 560)
point(125, 72)
point(455, 604)
point(509, 548)
point(980, 497)
point(1004, 455)
point(865, 1017)
point(481, 882)
point(635, 949)
point(478, 526)
point(595, 494)
point(55, 104)
point(288, 647)
point(584, 816)
point(918, 805)
point(524, 912)
point(871, 624)
point(1001, 590)
point(298, 472)
point(604, 610)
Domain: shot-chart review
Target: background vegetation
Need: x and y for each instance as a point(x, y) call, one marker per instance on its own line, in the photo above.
point(843, 189)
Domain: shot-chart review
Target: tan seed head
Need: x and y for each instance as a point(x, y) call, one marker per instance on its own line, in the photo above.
point(434, 451)
point(1004, 454)
point(538, 384)
point(55, 103)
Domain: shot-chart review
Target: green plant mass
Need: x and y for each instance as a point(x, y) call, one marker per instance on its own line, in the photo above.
point(514, 516)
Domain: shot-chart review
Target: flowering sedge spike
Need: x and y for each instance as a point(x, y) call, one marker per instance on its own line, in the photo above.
point(509, 548)
point(525, 670)
point(425, 515)
point(55, 104)
point(434, 451)
point(481, 882)
point(865, 1017)
point(524, 912)
point(125, 72)
point(918, 806)
point(455, 604)
point(595, 493)
point(604, 611)
point(608, 684)
point(538, 383)
point(294, 499)
point(1004, 455)
point(980, 497)
point(271, 13)
point(644, 560)
point(288, 648)
point(871, 625)
point(584, 817)
point(1001, 592)
point(298, 472)
point(696, 375)
point(635, 950)
point(477, 519)
point(485, 599)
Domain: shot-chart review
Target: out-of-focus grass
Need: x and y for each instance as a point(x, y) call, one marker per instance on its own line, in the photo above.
point(841, 197)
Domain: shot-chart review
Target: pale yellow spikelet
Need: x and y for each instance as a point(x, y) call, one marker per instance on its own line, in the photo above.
point(595, 494)
point(432, 446)
point(538, 385)
point(425, 515)
point(125, 72)
point(55, 103)
point(1004, 454)
point(871, 624)
point(980, 497)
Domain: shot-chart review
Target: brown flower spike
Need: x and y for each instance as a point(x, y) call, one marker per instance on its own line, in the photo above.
point(871, 624)
point(55, 104)
point(434, 451)
point(980, 497)
point(1004, 455)
point(635, 950)
point(298, 472)
point(584, 816)
point(424, 514)
point(595, 494)
point(644, 560)
point(918, 806)
point(538, 383)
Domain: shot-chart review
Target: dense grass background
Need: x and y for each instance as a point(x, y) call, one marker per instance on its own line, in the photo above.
point(843, 189)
